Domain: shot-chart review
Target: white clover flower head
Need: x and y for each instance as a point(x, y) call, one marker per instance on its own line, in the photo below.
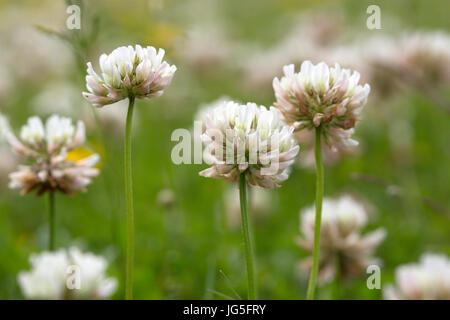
point(128, 71)
point(46, 147)
point(58, 134)
point(343, 220)
point(427, 280)
point(47, 277)
point(248, 139)
point(49, 274)
point(320, 95)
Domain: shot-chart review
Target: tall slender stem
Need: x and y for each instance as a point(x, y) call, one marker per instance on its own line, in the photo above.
point(247, 238)
point(51, 221)
point(129, 203)
point(319, 196)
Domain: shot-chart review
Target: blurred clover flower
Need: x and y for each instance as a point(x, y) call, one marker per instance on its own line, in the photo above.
point(249, 140)
point(425, 57)
point(427, 280)
point(205, 47)
point(344, 251)
point(314, 36)
point(322, 96)
point(248, 144)
point(127, 71)
point(50, 272)
point(131, 73)
point(46, 147)
point(166, 198)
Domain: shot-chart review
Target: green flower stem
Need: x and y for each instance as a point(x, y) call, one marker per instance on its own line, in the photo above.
point(129, 203)
point(247, 238)
point(319, 196)
point(51, 221)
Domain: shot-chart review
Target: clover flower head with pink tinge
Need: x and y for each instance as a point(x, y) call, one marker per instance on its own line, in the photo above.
point(319, 95)
point(128, 72)
point(250, 139)
point(46, 148)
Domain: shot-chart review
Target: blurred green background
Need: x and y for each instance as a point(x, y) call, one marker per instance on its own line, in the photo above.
point(182, 244)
